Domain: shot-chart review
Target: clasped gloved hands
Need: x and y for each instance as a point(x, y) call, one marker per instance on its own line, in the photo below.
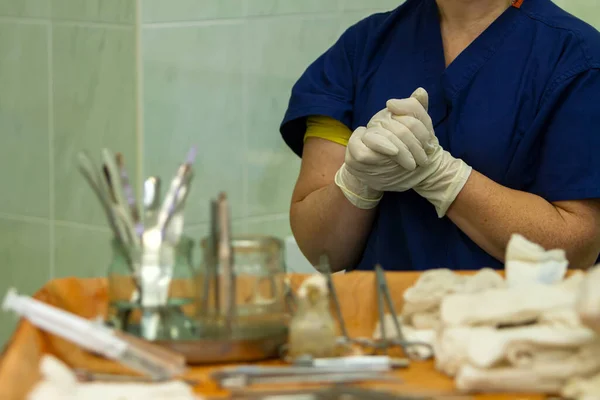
point(398, 151)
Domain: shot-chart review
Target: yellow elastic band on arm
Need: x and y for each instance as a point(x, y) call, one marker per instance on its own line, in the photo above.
point(327, 128)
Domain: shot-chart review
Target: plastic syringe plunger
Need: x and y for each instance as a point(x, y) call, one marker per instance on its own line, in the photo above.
point(141, 356)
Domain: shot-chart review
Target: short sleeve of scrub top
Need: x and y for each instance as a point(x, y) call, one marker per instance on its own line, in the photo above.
point(325, 89)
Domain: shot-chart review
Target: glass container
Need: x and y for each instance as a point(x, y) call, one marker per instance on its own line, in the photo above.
point(177, 316)
point(259, 285)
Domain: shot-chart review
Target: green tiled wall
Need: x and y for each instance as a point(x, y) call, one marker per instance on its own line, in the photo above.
point(214, 73)
point(587, 10)
point(67, 73)
point(218, 74)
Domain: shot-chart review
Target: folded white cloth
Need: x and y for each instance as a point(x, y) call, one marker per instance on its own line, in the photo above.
point(451, 348)
point(59, 383)
point(588, 311)
point(460, 353)
point(470, 335)
point(574, 281)
point(429, 290)
point(484, 279)
point(527, 262)
point(519, 335)
point(525, 346)
point(422, 301)
point(582, 388)
point(548, 377)
point(505, 306)
point(588, 300)
point(426, 320)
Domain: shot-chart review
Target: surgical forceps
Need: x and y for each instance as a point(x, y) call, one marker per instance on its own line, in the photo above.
point(409, 348)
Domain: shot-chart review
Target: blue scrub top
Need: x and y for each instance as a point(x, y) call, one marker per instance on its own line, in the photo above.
point(521, 105)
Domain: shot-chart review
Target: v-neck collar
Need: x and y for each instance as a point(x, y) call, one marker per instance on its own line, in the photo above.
point(448, 82)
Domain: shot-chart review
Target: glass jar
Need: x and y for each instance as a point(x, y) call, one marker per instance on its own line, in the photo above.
point(175, 318)
point(260, 307)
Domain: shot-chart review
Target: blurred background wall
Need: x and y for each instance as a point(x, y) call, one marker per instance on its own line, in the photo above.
point(67, 82)
point(150, 78)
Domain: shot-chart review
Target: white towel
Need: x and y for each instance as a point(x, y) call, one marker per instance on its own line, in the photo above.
point(548, 377)
point(588, 300)
point(422, 301)
point(526, 346)
point(426, 320)
point(582, 388)
point(60, 383)
point(451, 348)
point(429, 290)
point(527, 263)
point(504, 306)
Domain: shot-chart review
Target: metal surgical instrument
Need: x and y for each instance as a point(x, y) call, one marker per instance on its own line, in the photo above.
point(409, 348)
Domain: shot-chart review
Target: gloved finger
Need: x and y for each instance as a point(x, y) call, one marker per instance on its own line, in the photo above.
point(382, 115)
point(410, 107)
point(374, 171)
point(425, 137)
point(410, 148)
point(385, 119)
point(401, 123)
point(422, 96)
point(410, 152)
point(380, 143)
point(358, 152)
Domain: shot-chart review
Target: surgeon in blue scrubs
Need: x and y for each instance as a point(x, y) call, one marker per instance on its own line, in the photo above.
point(431, 133)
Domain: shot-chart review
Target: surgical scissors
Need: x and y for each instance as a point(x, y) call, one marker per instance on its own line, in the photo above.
point(409, 348)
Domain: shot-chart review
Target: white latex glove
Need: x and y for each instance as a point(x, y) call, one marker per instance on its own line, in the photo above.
point(442, 177)
point(378, 155)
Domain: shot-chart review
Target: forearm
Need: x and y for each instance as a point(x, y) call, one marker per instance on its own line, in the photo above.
point(324, 222)
point(490, 213)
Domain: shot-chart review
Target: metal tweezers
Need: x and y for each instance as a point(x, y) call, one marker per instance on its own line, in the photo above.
point(410, 348)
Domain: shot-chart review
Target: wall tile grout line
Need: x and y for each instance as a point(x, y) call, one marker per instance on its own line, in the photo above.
point(139, 96)
point(78, 225)
point(65, 22)
point(51, 214)
point(95, 25)
point(237, 20)
point(25, 21)
point(24, 218)
point(245, 119)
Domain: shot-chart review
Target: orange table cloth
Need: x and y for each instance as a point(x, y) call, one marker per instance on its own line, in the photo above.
point(88, 298)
